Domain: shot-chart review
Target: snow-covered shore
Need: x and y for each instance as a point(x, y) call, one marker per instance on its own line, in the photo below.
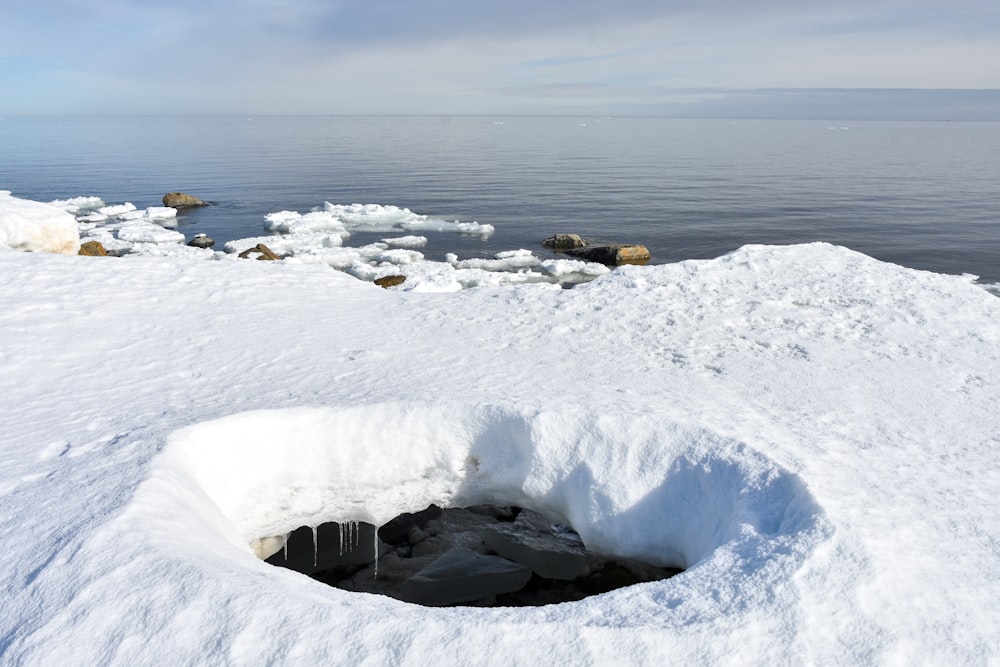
point(812, 433)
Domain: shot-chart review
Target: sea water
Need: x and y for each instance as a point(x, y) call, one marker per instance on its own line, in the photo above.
point(921, 194)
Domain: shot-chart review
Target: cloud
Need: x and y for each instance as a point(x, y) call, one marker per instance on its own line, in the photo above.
point(451, 56)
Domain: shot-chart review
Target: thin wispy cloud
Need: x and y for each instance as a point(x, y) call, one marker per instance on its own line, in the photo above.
point(449, 56)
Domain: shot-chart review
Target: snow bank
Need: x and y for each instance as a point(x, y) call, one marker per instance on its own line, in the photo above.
point(36, 227)
point(720, 493)
point(812, 433)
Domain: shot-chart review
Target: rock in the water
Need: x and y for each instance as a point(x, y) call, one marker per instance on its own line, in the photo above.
point(202, 241)
point(390, 281)
point(333, 545)
point(564, 242)
point(261, 251)
point(613, 255)
point(93, 249)
point(182, 200)
point(531, 542)
point(462, 575)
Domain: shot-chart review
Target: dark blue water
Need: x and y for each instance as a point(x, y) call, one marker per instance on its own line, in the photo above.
point(921, 194)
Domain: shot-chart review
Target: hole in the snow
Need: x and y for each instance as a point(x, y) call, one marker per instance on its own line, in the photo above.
point(485, 555)
point(638, 490)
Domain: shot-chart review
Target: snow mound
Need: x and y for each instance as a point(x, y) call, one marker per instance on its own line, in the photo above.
point(631, 485)
point(36, 227)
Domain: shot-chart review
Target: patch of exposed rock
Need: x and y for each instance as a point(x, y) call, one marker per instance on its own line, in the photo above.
point(477, 556)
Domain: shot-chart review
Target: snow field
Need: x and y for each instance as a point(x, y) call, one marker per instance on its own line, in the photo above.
point(813, 433)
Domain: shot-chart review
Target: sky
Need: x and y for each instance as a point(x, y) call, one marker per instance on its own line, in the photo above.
point(728, 58)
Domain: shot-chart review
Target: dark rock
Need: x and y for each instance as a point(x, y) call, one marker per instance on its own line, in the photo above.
point(462, 575)
point(93, 249)
point(182, 200)
point(397, 531)
point(529, 541)
point(333, 545)
point(428, 559)
point(613, 255)
point(564, 242)
point(390, 281)
point(202, 241)
point(261, 251)
point(609, 577)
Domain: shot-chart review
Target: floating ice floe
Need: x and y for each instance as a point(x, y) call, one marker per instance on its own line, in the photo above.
point(406, 241)
point(379, 218)
point(79, 205)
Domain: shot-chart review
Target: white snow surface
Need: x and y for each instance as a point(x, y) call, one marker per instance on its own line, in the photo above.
point(36, 227)
point(812, 433)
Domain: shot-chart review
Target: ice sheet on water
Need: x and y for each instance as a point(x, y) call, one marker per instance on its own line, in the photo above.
point(77, 205)
point(117, 209)
point(142, 231)
point(406, 241)
point(511, 260)
point(381, 218)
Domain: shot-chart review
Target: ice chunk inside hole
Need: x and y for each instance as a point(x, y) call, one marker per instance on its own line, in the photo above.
point(633, 487)
point(483, 555)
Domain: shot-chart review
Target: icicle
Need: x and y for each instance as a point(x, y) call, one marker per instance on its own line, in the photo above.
point(315, 547)
point(341, 526)
point(375, 574)
point(284, 546)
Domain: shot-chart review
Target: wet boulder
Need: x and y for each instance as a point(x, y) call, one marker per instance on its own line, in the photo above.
point(564, 242)
point(182, 200)
point(613, 255)
point(201, 241)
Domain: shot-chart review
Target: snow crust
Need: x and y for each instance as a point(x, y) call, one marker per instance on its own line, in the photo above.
point(812, 433)
point(36, 227)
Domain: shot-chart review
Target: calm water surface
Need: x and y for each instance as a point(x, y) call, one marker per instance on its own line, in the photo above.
point(921, 194)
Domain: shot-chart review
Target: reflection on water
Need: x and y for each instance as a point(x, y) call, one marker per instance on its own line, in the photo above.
point(922, 194)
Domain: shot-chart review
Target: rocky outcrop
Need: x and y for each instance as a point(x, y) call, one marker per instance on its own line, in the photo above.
point(201, 241)
point(182, 200)
point(613, 255)
point(92, 249)
point(259, 251)
point(564, 242)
